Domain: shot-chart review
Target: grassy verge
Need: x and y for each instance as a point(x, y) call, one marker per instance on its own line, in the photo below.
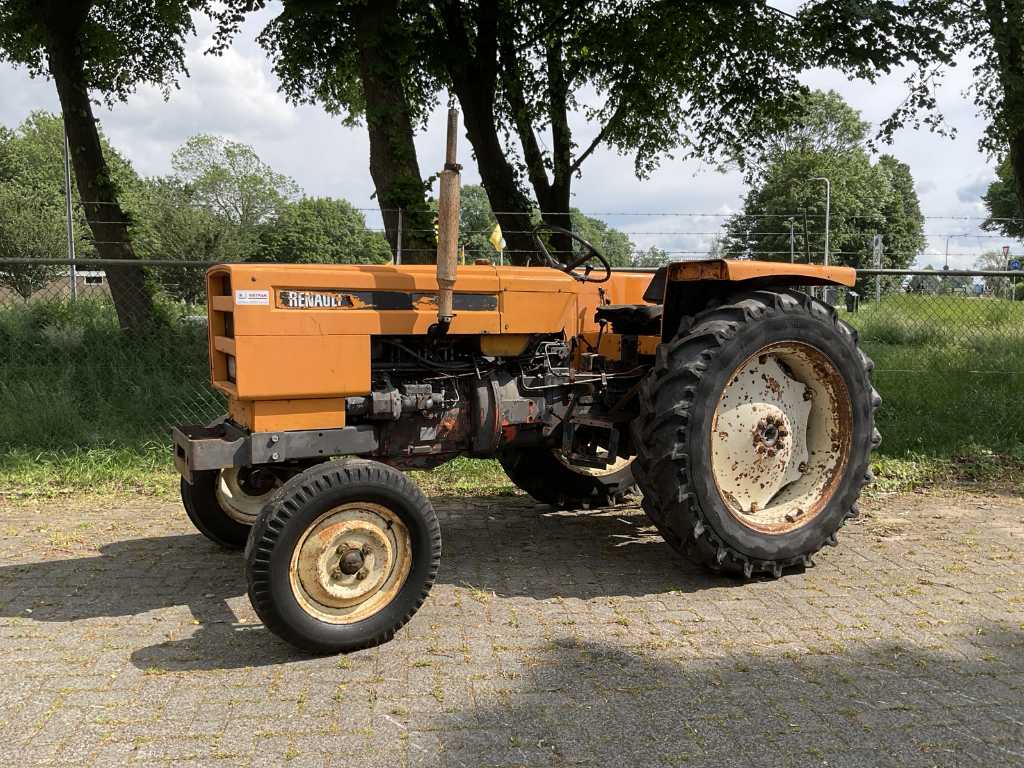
point(84, 408)
point(148, 471)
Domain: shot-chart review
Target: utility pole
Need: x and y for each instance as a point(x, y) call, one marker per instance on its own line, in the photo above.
point(72, 277)
point(792, 242)
point(828, 211)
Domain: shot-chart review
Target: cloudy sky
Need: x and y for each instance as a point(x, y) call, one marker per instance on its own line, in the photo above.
point(236, 95)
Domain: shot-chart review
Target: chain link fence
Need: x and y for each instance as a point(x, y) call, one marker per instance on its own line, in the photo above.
point(83, 363)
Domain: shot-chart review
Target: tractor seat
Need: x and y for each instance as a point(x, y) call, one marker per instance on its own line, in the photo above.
point(631, 319)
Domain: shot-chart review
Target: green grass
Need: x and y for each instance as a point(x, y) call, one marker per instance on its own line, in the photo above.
point(70, 379)
point(950, 371)
point(86, 408)
point(145, 469)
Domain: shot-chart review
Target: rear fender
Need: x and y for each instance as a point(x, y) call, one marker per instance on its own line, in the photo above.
point(688, 287)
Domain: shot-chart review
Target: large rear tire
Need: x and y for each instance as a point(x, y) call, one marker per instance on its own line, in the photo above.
point(549, 479)
point(755, 432)
point(342, 557)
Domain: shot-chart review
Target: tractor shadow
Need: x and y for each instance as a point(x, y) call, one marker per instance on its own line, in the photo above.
point(518, 548)
point(888, 703)
point(509, 546)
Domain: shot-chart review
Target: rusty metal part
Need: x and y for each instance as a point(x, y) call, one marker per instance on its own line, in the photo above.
point(781, 437)
point(617, 465)
point(239, 502)
point(350, 563)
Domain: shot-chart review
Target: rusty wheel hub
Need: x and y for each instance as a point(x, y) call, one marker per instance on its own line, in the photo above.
point(351, 562)
point(780, 437)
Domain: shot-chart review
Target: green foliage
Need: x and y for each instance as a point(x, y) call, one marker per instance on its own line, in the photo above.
point(1005, 211)
point(172, 224)
point(32, 205)
point(69, 379)
point(650, 257)
point(120, 43)
point(996, 262)
point(826, 139)
point(31, 227)
point(610, 242)
point(316, 49)
point(476, 223)
point(321, 230)
point(229, 179)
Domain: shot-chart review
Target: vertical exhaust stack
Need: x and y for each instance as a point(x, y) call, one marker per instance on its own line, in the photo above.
point(448, 228)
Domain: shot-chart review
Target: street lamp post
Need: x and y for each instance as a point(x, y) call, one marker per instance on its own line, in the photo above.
point(828, 211)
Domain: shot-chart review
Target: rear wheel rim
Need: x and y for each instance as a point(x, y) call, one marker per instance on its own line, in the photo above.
point(781, 437)
point(350, 562)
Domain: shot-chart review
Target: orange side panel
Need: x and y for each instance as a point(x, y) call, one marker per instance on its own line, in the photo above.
point(302, 366)
point(779, 272)
point(528, 312)
point(282, 415)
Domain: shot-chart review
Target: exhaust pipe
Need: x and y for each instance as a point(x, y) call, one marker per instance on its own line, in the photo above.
point(448, 228)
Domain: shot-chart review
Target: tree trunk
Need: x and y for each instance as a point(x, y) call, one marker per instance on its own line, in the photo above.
point(510, 206)
point(1006, 24)
point(475, 81)
point(129, 289)
point(393, 164)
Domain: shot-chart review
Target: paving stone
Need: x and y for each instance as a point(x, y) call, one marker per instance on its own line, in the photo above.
point(544, 642)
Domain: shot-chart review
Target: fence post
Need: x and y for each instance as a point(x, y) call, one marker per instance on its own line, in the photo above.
point(398, 242)
point(878, 247)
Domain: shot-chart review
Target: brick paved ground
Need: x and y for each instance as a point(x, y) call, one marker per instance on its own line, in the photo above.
point(550, 639)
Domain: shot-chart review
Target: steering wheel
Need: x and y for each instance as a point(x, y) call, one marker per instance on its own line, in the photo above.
point(570, 267)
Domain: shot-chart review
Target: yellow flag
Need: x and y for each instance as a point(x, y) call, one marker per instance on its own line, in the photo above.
point(496, 239)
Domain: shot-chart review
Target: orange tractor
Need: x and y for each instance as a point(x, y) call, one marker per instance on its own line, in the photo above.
point(741, 408)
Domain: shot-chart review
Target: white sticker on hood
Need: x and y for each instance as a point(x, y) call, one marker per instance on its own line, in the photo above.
point(252, 297)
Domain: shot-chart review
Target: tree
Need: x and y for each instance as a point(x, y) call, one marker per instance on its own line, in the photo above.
point(106, 47)
point(32, 157)
point(31, 227)
point(926, 284)
point(321, 230)
point(171, 223)
point(994, 261)
point(476, 223)
point(681, 79)
point(613, 244)
point(991, 33)
point(650, 257)
point(363, 61)
point(229, 179)
point(1005, 212)
point(827, 139)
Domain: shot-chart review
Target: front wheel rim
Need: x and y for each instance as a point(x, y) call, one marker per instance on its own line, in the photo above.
point(350, 562)
point(238, 504)
point(781, 437)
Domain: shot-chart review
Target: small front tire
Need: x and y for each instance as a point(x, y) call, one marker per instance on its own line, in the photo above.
point(342, 557)
point(204, 510)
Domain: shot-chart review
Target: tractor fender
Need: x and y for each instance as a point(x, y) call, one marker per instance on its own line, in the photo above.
point(748, 272)
point(687, 287)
